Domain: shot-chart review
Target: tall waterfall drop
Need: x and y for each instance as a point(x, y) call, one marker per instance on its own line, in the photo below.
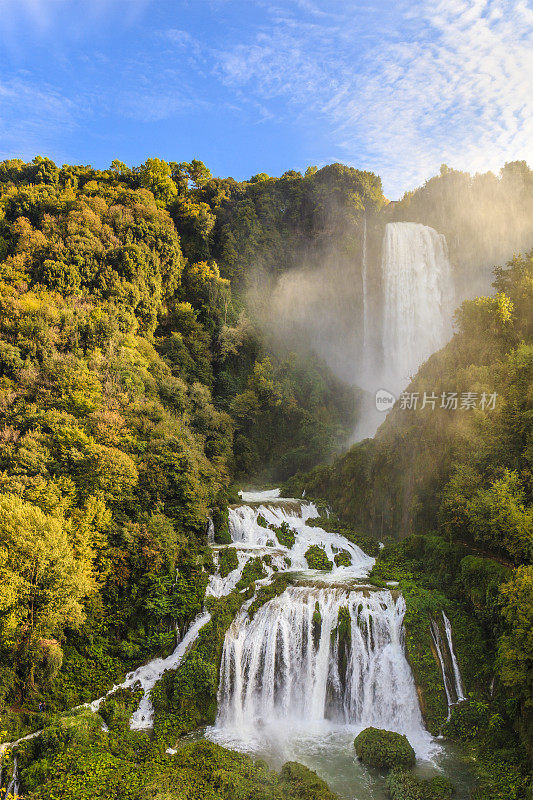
point(417, 299)
point(366, 310)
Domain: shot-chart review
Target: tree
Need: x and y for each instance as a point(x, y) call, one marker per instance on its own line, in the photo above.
point(42, 581)
point(516, 646)
point(155, 175)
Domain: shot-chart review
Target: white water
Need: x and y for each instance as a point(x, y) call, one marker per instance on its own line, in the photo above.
point(259, 496)
point(418, 299)
point(285, 679)
point(152, 672)
point(459, 688)
point(282, 674)
point(12, 789)
point(250, 540)
point(453, 683)
point(437, 641)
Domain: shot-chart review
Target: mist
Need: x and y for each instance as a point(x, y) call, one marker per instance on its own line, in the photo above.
point(421, 257)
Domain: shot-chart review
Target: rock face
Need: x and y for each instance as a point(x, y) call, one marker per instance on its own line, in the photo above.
point(385, 749)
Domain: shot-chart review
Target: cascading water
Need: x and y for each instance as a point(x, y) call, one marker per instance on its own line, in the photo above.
point(453, 684)
point(314, 655)
point(149, 674)
point(325, 657)
point(459, 688)
point(417, 298)
point(12, 790)
point(437, 641)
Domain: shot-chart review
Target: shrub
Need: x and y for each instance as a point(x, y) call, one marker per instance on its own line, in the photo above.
point(227, 561)
point(467, 720)
point(253, 571)
point(404, 785)
point(386, 749)
point(343, 559)
point(317, 559)
point(220, 519)
point(284, 534)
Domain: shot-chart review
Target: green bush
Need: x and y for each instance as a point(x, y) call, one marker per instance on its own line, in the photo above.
point(220, 517)
point(404, 785)
point(253, 571)
point(227, 561)
point(317, 559)
point(386, 749)
point(284, 534)
point(343, 559)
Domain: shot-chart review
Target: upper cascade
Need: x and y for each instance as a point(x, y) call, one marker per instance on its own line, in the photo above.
point(252, 537)
point(418, 298)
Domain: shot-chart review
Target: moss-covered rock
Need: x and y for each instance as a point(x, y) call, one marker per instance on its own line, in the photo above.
point(227, 561)
point(317, 559)
point(405, 785)
point(301, 783)
point(385, 749)
point(261, 521)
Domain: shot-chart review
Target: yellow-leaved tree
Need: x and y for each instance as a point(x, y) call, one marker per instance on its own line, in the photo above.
point(43, 580)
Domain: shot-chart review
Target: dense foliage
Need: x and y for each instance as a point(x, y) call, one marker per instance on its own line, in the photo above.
point(74, 758)
point(133, 388)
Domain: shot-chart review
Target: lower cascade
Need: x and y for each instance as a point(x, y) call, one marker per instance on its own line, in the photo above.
point(326, 656)
point(319, 654)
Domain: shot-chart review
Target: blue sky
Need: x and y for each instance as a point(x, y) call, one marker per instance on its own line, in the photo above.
point(394, 87)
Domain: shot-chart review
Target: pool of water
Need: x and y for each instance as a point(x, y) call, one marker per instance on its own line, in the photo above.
point(332, 756)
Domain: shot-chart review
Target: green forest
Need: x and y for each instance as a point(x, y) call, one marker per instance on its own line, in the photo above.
point(138, 394)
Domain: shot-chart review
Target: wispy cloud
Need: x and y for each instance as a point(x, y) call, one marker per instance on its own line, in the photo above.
point(31, 115)
point(449, 82)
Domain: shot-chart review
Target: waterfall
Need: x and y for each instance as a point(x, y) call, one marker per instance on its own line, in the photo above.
point(437, 641)
point(366, 310)
point(13, 785)
point(316, 656)
point(320, 661)
point(149, 674)
point(417, 299)
point(459, 688)
point(453, 684)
